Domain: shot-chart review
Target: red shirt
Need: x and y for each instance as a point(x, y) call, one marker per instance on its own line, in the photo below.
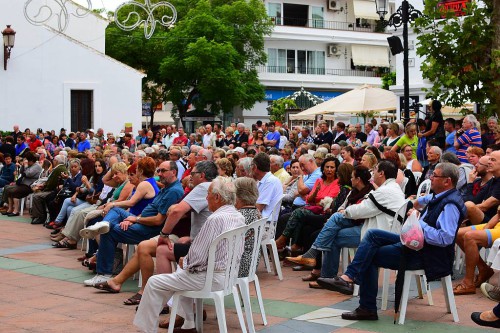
point(180, 139)
point(35, 144)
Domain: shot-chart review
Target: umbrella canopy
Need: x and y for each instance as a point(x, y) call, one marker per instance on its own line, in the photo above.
point(450, 110)
point(362, 99)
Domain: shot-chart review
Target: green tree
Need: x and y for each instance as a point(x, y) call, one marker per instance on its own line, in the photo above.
point(278, 108)
point(462, 58)
point(388, 79)
point(207, 59)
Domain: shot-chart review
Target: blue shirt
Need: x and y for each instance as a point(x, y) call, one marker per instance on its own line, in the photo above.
point(309, 181)
point(450, 141)
point(83, 146)
point(20, 148)
point(274, 136)
point(168, 196)
point(446, 223)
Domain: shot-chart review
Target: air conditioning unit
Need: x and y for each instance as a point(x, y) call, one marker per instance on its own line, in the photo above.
point(332, 5)
point(334, 50)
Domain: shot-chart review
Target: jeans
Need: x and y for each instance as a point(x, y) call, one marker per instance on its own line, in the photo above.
point(337, 233)
point(379, 248)
point(135, 234)
point(66, 209)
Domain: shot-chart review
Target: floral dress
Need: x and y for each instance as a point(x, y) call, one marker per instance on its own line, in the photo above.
point(251, 214)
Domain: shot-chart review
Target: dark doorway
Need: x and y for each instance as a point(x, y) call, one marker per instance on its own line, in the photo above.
point(295, 15)
point(81, 110)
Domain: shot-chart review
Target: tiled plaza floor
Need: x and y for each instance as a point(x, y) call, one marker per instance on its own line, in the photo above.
point(41, 291)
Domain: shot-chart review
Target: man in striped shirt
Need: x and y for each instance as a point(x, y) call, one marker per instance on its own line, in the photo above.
point(221, 197)
point(468, 136)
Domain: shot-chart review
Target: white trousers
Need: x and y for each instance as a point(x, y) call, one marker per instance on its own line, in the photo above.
point(161, 287)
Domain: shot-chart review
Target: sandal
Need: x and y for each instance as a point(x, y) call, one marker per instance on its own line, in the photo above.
point(134, 300)
point(104, 286)
point(463, 289)
point(64, 245)
point(315, 285)
point(311, 277)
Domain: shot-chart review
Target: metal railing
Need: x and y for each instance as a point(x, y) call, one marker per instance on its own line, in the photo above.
point(318, 71)
point(322, 24)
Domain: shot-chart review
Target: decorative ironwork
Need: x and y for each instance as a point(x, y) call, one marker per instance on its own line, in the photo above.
point(134, 19)
point(45, 12)
point(398, 18)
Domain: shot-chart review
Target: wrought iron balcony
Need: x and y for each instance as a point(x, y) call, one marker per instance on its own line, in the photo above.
point(367, 72)
point(370, 26)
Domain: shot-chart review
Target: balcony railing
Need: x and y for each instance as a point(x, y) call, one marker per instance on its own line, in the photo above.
point(318, 71)
point(322, 24)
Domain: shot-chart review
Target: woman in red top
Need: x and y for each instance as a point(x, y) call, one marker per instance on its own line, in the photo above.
point(326, 186)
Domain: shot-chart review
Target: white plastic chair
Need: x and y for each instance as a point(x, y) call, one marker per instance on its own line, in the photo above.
point(347, 255)
point(234, 240)
point(268, 240)
point(403, 184)
point(257, 228)
point(424, 188)
point(26, 200)
point(448, 295)
point(417, 175)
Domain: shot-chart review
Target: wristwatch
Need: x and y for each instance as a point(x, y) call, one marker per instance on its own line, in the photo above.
point(163, 235)
point(138, 219)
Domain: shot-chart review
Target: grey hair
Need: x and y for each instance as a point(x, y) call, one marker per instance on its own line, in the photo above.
point(149, 150)
point(224, 187)
point(240, 125)
point(437, 150)
point(494, 119)
point(473, 120)
point(322, 150)
point(277, 159)
point(307, 157)
point(140, 153)
point(195, 149)
point(246, 190)
point(335, 146)
point(207, 153)
point(61, 159)
point(449, 170)
point(449, 157)
point(208, 168)
point(246, 163)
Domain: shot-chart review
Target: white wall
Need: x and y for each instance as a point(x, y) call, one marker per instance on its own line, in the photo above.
point(45, 66)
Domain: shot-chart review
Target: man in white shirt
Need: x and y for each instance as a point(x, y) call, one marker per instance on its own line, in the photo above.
point(208, 137)
point(168, 138)
point(270, 188)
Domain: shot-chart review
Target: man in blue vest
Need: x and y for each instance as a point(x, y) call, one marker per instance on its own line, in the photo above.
point(439, 220)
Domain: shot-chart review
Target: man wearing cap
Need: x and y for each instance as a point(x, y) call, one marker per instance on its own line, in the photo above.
point(84, 144)
point(94, 141)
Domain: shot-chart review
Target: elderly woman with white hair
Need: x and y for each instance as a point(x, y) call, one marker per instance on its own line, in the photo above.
point(466, 137)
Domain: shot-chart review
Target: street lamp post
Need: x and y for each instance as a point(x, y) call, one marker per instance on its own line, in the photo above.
point(404, 15)
point(9, 36)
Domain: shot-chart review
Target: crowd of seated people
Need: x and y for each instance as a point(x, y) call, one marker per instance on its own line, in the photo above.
point(335, 188)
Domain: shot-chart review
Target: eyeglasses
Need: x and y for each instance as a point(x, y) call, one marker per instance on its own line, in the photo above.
point(485, 165)
point(161, 170)
point(438, 176)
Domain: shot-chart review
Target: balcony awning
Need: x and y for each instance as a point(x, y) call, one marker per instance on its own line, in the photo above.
point(365, 9)
point(370, 55)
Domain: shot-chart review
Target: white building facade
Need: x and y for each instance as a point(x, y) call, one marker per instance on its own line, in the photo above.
point(63, 79)
point(327, 47)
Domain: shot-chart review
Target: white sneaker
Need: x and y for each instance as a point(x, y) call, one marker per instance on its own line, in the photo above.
point(96, 279)
point(94, 230)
